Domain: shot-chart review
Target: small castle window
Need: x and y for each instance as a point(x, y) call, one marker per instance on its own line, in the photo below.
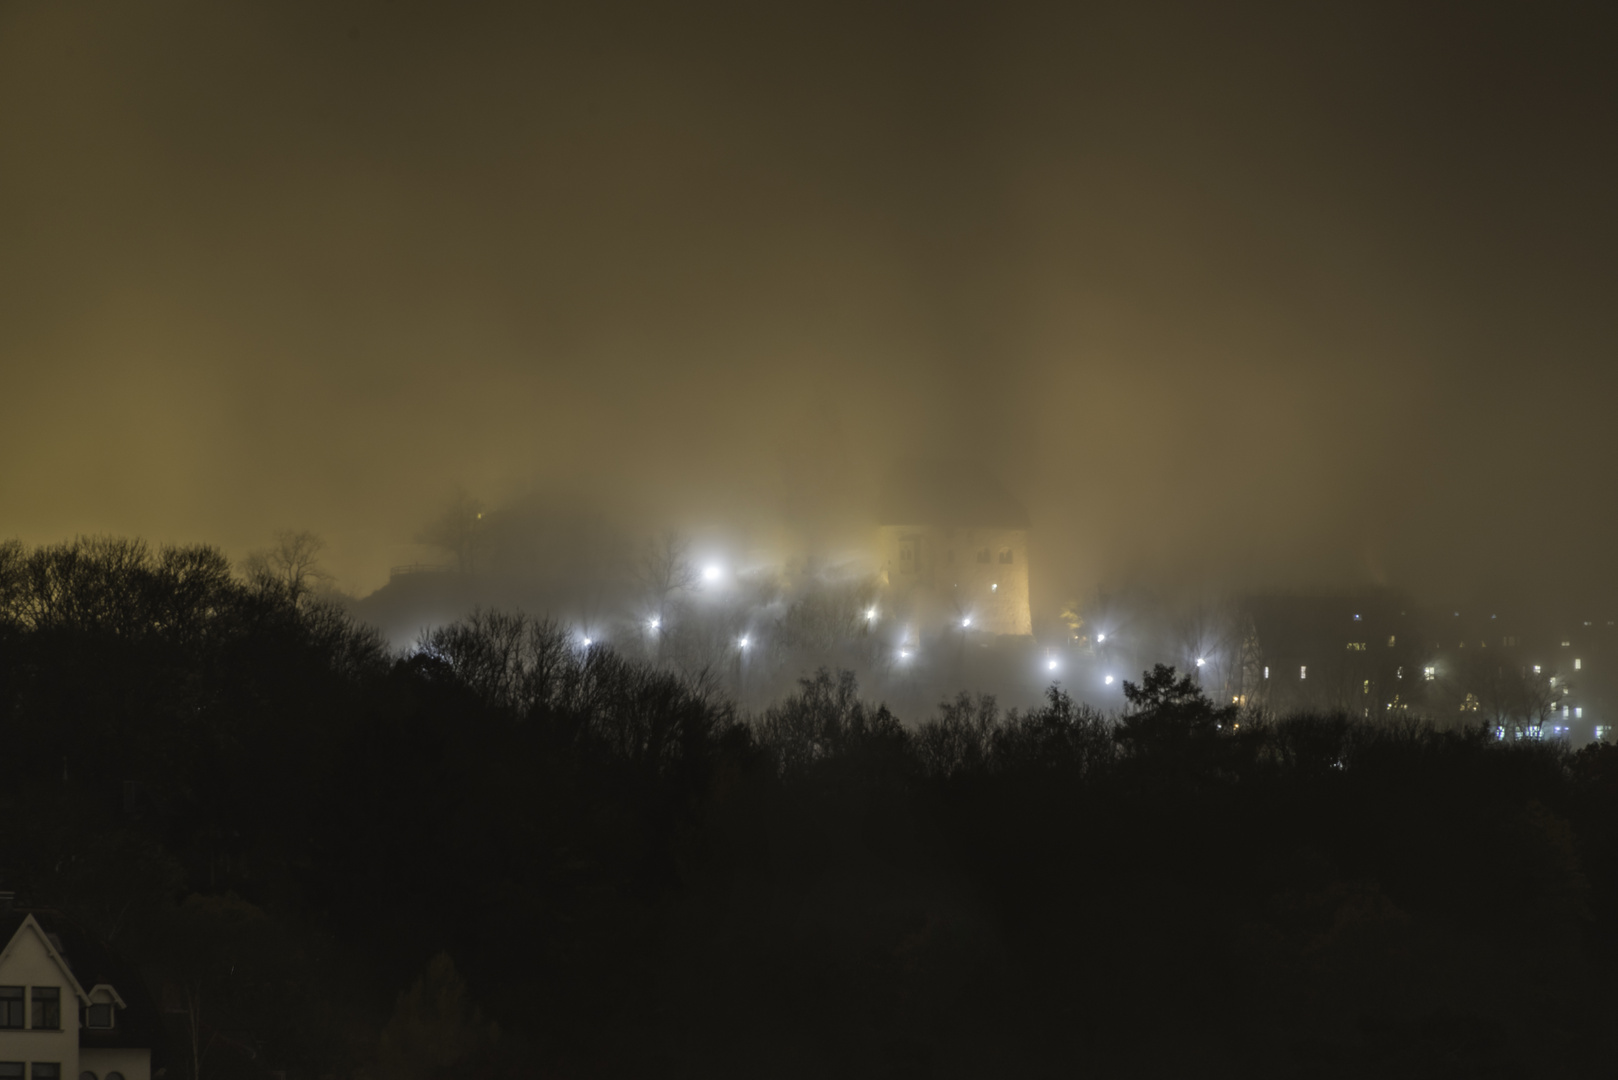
point(98, 1016)
point(1005, 555)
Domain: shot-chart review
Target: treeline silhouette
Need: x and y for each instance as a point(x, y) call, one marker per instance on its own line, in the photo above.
point(506, 855)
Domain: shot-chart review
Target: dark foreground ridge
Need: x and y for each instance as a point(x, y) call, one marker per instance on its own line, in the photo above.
point(505, 855)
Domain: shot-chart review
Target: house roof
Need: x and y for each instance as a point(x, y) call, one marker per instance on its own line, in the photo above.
point(948, 493)
point(90, 964)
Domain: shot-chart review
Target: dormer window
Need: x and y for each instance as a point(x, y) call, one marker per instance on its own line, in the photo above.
point(98, 1016)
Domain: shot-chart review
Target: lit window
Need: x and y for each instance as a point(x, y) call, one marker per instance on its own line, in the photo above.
point(1564, 712)
point(1266, 673)
point(1429, 673)
point(47, 1001)
point(11, 1010)
point(1536, 669)
point(1565, 644)
point(98, 1016)
point(1303, 672)
point(1578, 712)
point(1578, 665)
point(1390, 641)
point(1367, 686)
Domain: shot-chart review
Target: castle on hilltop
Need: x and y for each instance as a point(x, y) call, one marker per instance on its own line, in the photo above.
point(952, 550)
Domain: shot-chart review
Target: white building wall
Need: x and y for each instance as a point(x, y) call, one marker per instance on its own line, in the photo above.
point(28, 963)
point(130, 1064)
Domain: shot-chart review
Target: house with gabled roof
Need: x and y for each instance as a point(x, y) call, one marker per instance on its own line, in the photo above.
point(70, 1009)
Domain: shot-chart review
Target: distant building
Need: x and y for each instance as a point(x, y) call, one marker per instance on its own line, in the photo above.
point(69, 1009)
point(953, 551)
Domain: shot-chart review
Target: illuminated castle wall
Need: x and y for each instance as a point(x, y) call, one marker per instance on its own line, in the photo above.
point(953, 551)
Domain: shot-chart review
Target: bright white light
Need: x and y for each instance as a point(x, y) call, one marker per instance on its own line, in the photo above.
point(904, 654)
point(994, 587)
point(588, 643)
point(870, 614)
point(1051, 665)
point(965, 623)
point(654, 623)
point(1200, 661)
point(743, 643)
point(1101, 637)
point(1108, 680)
point(710, 573)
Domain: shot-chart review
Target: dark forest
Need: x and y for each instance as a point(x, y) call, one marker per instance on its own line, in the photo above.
point(503, 855)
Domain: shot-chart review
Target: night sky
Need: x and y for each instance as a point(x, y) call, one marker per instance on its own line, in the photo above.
point(1302, 296)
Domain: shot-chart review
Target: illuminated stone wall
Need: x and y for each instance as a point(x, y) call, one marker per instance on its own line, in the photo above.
point(947, 576)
